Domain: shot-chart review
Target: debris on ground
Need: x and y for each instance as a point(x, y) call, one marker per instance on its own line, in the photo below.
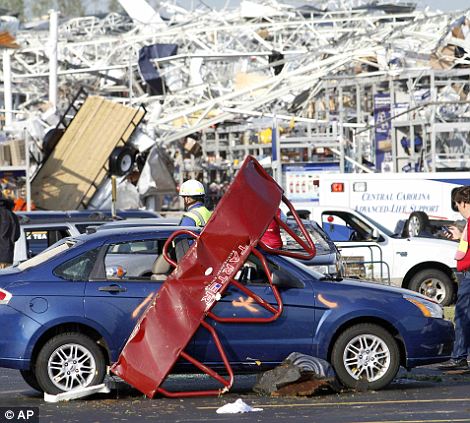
point(239, 406)
point(77, 393)
point(298, 375)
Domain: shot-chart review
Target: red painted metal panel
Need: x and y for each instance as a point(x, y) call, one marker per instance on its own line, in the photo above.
point(186, 297)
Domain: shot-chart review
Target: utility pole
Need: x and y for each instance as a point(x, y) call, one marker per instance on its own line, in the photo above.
point(7, 88)
point(53, 35)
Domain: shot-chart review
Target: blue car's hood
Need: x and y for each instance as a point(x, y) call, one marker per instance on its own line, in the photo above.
point(359, 285)
point(380, 287)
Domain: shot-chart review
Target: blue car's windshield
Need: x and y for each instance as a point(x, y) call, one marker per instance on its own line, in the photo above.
point(307, 269)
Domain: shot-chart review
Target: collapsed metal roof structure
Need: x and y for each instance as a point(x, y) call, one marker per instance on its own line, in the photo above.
point(222, 76)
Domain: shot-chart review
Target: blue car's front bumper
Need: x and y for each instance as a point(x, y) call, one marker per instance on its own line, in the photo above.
point(16, 334)
point(431, 344)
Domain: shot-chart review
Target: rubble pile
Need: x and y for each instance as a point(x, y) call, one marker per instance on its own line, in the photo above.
point(203, 69)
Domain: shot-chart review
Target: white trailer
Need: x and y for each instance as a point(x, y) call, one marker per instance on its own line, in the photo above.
point(418, 198)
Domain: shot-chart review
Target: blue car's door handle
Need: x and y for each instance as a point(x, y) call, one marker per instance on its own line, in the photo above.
point(112, 288)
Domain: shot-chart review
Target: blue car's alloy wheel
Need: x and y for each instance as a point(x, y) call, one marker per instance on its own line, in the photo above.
point(366, 355)
point(69, 361)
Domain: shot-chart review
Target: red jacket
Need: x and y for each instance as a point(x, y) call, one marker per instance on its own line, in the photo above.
point(272, 236)
point(463, 252)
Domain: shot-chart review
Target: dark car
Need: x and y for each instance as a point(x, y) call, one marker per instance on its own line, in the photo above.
point(327, 259)
point(66, 314)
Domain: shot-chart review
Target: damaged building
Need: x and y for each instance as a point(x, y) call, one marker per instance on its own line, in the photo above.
point(169, 94)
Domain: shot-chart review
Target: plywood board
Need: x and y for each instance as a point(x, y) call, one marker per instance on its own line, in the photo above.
point(74, 170)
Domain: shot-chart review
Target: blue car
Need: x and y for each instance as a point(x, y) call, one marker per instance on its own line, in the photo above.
point(67, 313)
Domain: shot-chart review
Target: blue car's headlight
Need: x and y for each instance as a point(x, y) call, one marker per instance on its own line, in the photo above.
point(427, 307)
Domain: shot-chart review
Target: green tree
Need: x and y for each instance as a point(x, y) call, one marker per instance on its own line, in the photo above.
point(14, 6)
point(41, 7)
point(115, 6)
point(70, 8)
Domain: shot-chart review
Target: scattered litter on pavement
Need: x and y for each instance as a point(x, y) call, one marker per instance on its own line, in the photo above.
point(77, 393)
point(239, 406)
point(306, 388)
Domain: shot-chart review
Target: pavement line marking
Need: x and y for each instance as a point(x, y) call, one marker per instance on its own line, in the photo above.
point(13, 392)
point(352, 403)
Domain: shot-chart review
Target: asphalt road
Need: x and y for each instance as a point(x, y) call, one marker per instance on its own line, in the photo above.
point(423, 395)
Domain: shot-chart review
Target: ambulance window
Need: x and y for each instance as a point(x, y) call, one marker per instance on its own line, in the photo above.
point(336, 227)
point(344, 226)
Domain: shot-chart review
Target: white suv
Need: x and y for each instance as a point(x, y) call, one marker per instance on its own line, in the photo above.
point(425, 265)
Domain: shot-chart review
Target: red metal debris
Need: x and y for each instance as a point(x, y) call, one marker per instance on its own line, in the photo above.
point(200, 278)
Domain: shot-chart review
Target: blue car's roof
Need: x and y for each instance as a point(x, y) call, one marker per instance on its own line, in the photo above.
point(82, 215)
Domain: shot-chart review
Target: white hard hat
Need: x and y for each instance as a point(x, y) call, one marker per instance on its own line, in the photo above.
point(191, 188)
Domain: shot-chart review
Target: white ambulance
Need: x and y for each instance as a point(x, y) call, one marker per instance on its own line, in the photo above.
point(419, 199)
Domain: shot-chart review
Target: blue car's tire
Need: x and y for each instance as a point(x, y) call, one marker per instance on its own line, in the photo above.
point(30, 378)
point(365, 356)
point(67, 361)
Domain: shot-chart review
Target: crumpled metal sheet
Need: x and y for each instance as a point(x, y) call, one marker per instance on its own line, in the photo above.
point(228, 45)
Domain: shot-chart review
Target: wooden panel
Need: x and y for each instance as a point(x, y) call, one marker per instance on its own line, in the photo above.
point(7, 40)
point(74, 170)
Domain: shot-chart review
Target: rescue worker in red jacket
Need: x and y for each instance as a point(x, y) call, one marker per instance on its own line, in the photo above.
point(461, 348)
point(196, 214)
point(272, 236)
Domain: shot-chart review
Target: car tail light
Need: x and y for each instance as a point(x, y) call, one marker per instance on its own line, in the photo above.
point(337, 187)
point(5, 296)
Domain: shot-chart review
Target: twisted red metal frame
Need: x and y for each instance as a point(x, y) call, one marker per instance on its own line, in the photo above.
point(200, 279)
point(310, 250)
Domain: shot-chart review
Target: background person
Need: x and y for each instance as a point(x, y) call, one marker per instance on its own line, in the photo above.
point(272, 236)
point(461, 348)
point(9, 232)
